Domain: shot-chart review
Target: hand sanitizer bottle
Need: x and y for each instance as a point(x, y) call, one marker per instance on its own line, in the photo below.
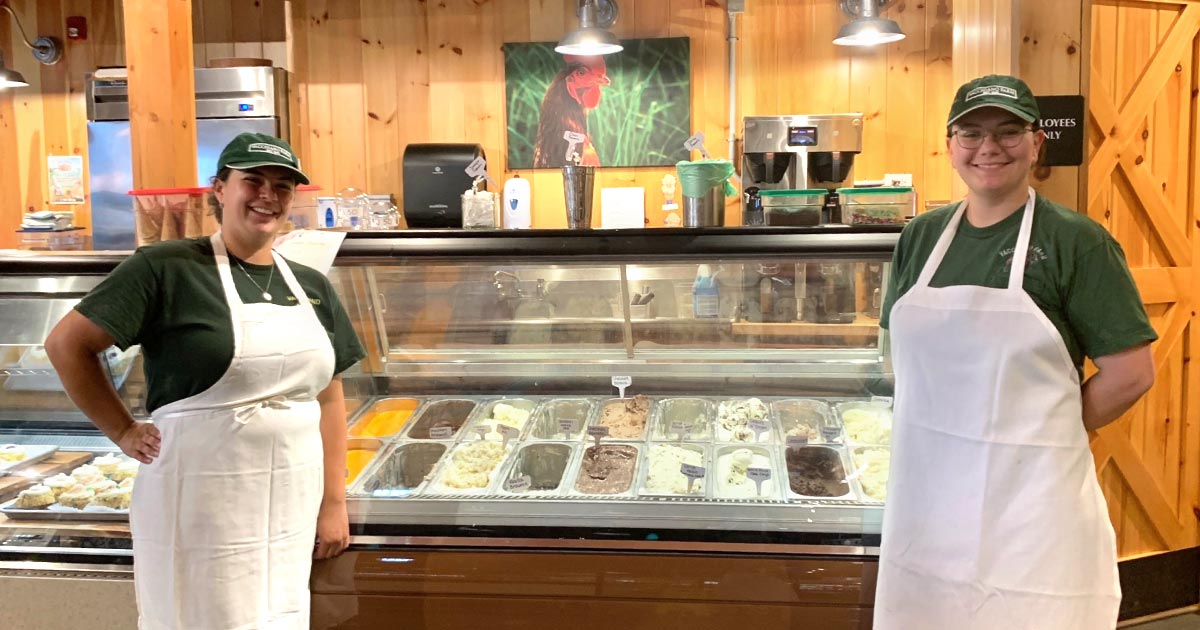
point(517, 214)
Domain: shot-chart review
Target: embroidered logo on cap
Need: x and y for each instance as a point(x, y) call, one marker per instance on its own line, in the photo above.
point(263, 147)
point(991, 90)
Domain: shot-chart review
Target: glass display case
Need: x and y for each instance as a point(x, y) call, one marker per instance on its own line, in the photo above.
point(651, 386)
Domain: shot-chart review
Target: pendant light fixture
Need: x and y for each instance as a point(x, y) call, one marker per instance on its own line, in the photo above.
point(45, 49)
point(592, 37)
point(866, 28)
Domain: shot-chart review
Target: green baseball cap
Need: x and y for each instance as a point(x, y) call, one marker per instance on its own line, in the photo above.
point(250, 150)
point(995, 90)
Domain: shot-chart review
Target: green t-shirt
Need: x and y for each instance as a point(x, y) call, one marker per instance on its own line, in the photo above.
point(168, 298)
point(1075, 272)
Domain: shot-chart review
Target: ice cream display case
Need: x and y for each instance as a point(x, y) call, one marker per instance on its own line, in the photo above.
point(608, 410)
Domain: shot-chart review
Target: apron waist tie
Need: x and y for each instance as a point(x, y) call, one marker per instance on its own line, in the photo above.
point(243, 414)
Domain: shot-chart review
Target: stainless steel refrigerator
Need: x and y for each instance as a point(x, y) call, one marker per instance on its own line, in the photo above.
point(229, 101)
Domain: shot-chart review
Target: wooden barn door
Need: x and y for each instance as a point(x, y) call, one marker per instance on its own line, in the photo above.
point(1142, 184)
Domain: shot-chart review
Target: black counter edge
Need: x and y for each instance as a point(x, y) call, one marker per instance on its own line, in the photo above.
point(1159, 583)
point(659, 244)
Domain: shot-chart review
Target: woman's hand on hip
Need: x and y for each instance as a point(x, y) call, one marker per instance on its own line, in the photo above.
point(333, 530)
point(140, 441)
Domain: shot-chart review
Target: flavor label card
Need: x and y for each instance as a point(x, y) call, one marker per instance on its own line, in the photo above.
point(518, 484)
point(797, 441)
point(597, 432)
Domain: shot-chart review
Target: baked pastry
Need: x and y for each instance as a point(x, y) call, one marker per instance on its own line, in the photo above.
point(59, 483)
point(11, 453)
point(127, 469)
point(104, 485)
point(117, 498)
point(77, 497)
point(87, 474)
point(107, 464)
point(36, 497)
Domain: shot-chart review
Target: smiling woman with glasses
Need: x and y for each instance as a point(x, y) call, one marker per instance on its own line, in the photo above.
point(994, 517)
point(1008, 136)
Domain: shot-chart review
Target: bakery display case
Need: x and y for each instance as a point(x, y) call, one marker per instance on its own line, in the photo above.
point(645, 397)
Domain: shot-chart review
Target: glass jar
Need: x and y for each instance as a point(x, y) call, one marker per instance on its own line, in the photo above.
point(352, 208)
point(480, 210)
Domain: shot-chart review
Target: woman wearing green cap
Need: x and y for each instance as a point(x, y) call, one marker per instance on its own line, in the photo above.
point(995, 518)
point(243, 463)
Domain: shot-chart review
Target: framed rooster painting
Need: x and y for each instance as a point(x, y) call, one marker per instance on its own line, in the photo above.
point(632, 108)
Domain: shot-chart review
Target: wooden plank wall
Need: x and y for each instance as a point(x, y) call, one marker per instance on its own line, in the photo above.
point(434, 72)
point(240, 28)
point(1051, 52)
point(1144, 173)
point(49, 117)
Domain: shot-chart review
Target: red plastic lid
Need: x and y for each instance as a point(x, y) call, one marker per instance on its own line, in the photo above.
point(308, 187)
point(168, 191)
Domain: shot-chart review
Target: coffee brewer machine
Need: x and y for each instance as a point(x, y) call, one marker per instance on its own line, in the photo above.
point(807, 152)
point(799, 152)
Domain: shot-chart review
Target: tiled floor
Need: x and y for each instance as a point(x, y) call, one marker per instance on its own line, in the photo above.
point(1182, 622)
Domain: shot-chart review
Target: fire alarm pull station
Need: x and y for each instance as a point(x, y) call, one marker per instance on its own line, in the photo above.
point(76, 28)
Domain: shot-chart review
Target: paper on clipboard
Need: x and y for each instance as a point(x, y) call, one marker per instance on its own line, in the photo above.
point(314, 248)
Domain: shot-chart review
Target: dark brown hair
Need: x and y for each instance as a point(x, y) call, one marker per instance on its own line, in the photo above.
point(223, 177)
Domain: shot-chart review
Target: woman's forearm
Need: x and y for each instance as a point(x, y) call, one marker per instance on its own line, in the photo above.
point(78, 366)
point(333, 441)
point(1121, 380)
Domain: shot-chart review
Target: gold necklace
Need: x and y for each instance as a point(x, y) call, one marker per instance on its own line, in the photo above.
point(265, 294)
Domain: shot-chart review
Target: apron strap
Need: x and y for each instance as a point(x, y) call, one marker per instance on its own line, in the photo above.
point(231, 295)
point(1016, 275)
point(939, 250)
point(290, 278)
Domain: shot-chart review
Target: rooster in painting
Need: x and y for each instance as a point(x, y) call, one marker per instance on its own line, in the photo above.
point(572, 94)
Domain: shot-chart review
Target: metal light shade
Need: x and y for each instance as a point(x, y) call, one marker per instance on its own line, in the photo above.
point(589, 41)
point(869, 32)
point(592, 37)
point(10, 78)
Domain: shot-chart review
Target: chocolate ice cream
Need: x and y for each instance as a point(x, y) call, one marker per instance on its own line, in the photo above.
point(606, 469)
point(814, 471)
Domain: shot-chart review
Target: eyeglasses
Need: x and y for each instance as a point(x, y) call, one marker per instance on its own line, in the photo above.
point(1007, 136)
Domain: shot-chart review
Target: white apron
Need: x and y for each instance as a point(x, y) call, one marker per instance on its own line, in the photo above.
point(994, 517)
point(224, 521)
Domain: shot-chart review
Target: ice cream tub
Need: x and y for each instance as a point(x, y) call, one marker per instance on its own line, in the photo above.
point(538, 469)
point(513, 413)
point(805, 418)
point(626, 418)
point(471, 468)
point(403, 470)
point(665, 470)
point(561, 419)
point(609, 470)
point(869, 472)
point(817, 472)
point(738, 473)
point(386, 418)
point(360, 452)
point(866, 423)
point(744, 420)
point(683, 419)
point(440, 419)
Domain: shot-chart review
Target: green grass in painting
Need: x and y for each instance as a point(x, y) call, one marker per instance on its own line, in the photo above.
point(643, 118)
